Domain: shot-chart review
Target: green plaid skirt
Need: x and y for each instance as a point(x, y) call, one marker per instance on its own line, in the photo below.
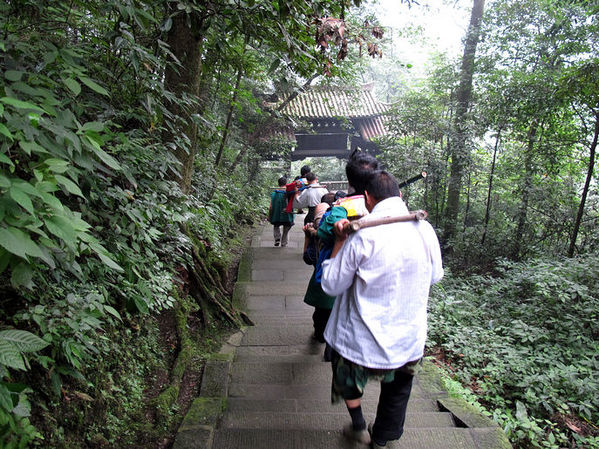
point(350, 379)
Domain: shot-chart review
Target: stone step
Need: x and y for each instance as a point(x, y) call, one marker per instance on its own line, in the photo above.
point(415, 405)
point(320, 391)
point(296, 273)
point(438, 438)
point(263, 259)
point(278, 335)
point(269, 387)
point(322, 421)
point(276, 372)
point(309, 353)
point(283, 314)
point(267, 242)
point(273, 288)
point(286, 318)
point(274, 306)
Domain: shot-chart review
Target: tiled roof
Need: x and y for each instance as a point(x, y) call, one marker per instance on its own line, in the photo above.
point(325, 102)
point(370, 127)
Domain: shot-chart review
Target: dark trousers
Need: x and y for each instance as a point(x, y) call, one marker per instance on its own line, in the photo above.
point(391, 410)
point(309, 218)
point(320, 317)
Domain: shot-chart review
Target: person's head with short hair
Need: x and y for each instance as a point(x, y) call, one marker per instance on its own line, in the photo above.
point(282, 181)
point(357, 170)
point(340, 194)
point(305, 170)
point(328, 198)
point(380, 186)
point(311, 177)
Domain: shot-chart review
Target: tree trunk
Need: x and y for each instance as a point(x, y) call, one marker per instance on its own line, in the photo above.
point(229, 118)
point(585, 190)
point(185, 43)
point(526, 188)
point(231, 109)
point(490, 190)
point(459, 150)
point(239, 158)
point(468, 198)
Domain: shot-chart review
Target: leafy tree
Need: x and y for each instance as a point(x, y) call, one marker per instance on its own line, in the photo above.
point(579, 85)
point(520, 88)
point(128, 134)
point(459, 152)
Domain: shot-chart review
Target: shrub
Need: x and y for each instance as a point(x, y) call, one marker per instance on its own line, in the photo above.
point(526, 342)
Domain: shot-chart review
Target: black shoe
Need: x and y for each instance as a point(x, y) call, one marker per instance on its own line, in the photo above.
point(358, 436)
point(277, 242)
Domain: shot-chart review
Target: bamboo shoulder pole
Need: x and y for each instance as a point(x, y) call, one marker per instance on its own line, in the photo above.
point(366, 223)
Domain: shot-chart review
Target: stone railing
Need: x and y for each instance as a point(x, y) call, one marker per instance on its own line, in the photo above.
point(333, 186)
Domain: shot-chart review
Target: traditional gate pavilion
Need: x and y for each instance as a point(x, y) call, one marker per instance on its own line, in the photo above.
point(334, 121)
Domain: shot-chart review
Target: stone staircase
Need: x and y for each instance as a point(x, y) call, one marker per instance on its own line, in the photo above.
point(269, 388)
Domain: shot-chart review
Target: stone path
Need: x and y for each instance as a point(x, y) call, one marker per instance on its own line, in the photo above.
point(269, 388)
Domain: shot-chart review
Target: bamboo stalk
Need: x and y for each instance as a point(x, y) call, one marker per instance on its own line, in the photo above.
point(355, 226)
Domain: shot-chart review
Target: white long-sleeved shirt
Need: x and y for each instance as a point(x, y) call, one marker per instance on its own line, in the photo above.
point(309, 197)
point(381, 277)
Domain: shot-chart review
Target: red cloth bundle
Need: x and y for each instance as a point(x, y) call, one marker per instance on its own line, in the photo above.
point(290, 189)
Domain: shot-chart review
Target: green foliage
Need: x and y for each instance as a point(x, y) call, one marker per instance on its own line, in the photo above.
point(97, 237)
point(13, 343)
point(327, 169)
point(91, 220)
point(45, 150)
point(526, 341)
point(15, 408)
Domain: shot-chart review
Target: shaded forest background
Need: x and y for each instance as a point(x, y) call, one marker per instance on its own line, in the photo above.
point(135, 140)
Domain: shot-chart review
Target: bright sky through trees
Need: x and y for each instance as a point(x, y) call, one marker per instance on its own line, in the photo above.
point(438, 25)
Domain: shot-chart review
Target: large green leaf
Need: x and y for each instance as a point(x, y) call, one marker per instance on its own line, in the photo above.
point(93, 126)
point(4, 182)
point(6, 132)
point(21, 198)
point(108, 159)
point(111, 310)
point(63, 228)
point(57, 165)
point(17, 242)
point(105, 157)
point(10, 356)
point(32, 147)
point(140, 304)
point(19, 104)
point(47, 187)
point(78, 223)
point(73, 85)
point(13, 75)
point(105, 257)
point(27, 188)
point(52, 201)
point(6, 402)
point(6, 160)
point(69, 185)
point(74, 139)
point(94, 86)
point(24, 341)
point(22, 275)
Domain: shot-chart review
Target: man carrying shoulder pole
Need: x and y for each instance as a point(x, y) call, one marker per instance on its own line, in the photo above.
point(381, 276)
point(310, 197)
